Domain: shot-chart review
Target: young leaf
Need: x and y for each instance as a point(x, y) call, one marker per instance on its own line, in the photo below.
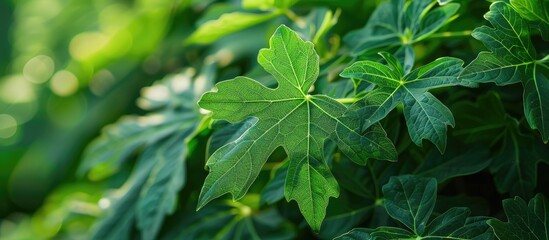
point(511, 61)
point(287, 116)
point(524, 221)
point(426, 117)
point(228, 23)
point(398, 22)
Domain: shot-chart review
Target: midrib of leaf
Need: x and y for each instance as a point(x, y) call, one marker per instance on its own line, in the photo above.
point(543, 122)
point(409, 206)
point(293, 69)
point(421, 105)
point(443, 237)
point(260, 101)
point(517, 34)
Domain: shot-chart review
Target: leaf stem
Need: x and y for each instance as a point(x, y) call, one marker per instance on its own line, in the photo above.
point(451, 34)
point(347, 100)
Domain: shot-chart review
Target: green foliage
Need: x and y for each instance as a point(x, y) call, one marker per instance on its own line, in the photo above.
point(276, 119)
point(511, 61)
point(526, 221)
point(411, 200)
point(289, 117)
point(426, 117)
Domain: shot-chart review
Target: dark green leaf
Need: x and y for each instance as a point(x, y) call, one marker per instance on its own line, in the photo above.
point(274, 191)
point(524, 221)
point(234, 220)
point(396, 22)
point(444, 167)
point(511, 61)
point(410, 200)
point(426, 117)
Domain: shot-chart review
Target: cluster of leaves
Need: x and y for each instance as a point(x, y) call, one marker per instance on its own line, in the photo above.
point(318, 123)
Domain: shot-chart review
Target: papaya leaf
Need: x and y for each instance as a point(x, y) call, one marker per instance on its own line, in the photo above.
point(289, 117)
point(511, 61)
point(400, 23)
point(426, 117)
point(525, 221)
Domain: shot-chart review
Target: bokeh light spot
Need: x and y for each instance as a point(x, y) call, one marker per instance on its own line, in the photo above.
point(64, 83)
point(85, 45)
point(15, 89)
point(8, 126)
point(38, 69)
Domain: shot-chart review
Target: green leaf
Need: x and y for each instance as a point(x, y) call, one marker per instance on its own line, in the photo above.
point(426, 117)
point(444, 167)
point(410, 200)
point(159, 194)
point(228, 23)
point(149, 194)
point(104, 156)
point(151, 191)
point(511, 61)
point(289, 117)
point(226, 134)
point(398, 22)
point(274, 191)
point(524, 221)
point(480, 121)
point(233, 220)
point(356, 234)
point(268, 4)
point(536, 12)
point(515, 166)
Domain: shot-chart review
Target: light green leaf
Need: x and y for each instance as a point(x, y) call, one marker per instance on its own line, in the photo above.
point(524, 221)
point(398, 22)
point(511, 61)
point(258, 4)
point(228, 23)
point(410, 200)
point(289, 117)
point(426, 117)
point(268, 4)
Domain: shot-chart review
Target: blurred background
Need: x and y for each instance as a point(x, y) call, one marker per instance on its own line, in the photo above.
point(67, 68)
